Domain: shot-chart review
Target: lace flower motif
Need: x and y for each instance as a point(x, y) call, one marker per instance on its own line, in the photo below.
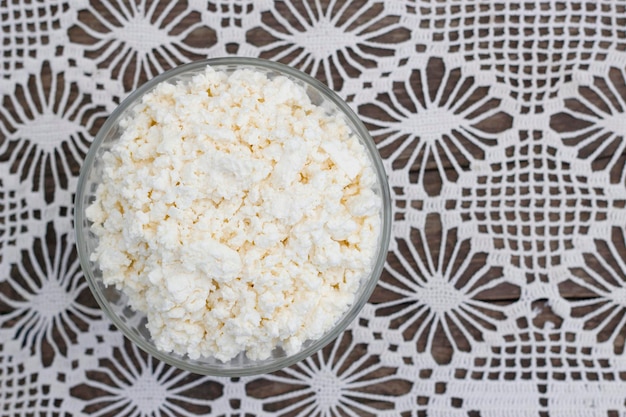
point(332, 41)
point(129, 382)
point(343, 379)
point(47, 129)
point(439, 290)
point(593, 123)
point(601, 287)
point(139, 39)
point(435, 123)
point(49, 302)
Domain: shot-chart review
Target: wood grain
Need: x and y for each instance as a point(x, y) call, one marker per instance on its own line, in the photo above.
point(562, 123)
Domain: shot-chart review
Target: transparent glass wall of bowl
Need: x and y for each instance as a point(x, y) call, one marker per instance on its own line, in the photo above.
point(115, 304)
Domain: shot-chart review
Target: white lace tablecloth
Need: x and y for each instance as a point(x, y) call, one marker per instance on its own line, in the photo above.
point(502, 126)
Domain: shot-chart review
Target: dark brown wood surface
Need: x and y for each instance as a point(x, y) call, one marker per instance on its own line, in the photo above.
point(433, 228)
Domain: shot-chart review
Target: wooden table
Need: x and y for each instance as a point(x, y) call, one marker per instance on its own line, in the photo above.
point(497, 202)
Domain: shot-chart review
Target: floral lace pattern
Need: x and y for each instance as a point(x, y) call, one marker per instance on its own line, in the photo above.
point(502, 126)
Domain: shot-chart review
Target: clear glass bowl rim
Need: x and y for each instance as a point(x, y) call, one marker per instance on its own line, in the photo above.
point(365, 139)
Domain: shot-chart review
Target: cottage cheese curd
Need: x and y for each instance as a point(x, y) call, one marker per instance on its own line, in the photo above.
point(236, 214)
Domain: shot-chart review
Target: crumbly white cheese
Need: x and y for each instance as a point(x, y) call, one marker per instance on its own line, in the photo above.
point(236, 214)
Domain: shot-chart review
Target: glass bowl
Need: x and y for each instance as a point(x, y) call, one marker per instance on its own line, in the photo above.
point(115, 303)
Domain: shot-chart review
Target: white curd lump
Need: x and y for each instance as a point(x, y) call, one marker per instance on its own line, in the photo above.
point(237, 215)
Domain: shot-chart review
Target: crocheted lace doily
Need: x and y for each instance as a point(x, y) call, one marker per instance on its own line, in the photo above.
point(502, 126)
